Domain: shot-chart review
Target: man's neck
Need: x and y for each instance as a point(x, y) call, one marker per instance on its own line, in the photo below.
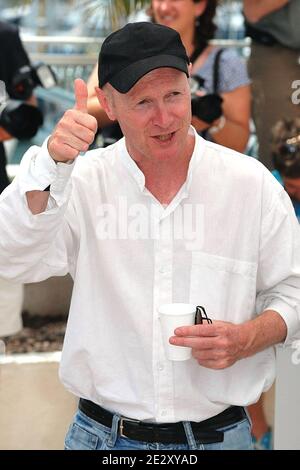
point(165, 184)
point(165, 176)
point(164, 179)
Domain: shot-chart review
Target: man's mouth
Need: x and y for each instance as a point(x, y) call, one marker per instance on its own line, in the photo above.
point(164, 137)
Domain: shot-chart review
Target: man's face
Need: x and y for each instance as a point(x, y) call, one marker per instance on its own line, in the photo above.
point(155, 115)
point(292, 187)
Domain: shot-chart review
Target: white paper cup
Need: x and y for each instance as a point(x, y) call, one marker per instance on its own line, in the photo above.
point(171, 317)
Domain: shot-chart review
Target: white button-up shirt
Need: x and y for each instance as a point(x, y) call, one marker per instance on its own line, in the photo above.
point(228, 241)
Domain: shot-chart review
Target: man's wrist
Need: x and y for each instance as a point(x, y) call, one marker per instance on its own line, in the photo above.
point(65, 162)
point(246, 339)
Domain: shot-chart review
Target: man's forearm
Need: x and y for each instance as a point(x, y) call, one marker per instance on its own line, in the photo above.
point(264, 331)
point(256, 9)
point(37, 201)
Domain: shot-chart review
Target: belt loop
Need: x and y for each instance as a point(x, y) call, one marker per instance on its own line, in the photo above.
point(189, 435)
point(114, 431)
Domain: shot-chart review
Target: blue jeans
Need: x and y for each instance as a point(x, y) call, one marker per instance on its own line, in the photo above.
point(86, 434)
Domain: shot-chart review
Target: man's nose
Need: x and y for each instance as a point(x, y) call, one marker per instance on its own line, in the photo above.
point(162, 116)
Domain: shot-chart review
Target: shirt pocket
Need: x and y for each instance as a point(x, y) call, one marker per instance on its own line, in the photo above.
point(225, 287)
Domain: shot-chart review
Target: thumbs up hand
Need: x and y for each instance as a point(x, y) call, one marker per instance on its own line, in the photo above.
point(76, 129)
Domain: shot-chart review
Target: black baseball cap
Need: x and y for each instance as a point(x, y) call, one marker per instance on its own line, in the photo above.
point(134, 50)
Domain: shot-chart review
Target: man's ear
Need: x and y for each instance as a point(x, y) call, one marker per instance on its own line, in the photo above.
point(106, 103)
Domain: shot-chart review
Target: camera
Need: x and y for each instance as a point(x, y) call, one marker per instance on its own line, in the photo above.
point(207, 106)
point(20, 119)
point(28, 77)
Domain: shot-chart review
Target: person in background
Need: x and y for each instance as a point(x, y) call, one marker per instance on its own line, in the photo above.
point(285, 154)
point(262, 434)
point(160, 216)
point(274, 66)
point(224, 121)
point(286, 158)
point(12, 57)
point(273, 26)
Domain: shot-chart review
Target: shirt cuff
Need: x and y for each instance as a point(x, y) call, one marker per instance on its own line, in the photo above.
point(38, 170)
point(290, 316)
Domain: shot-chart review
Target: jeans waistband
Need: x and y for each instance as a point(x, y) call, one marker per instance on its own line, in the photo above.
point(206, 431)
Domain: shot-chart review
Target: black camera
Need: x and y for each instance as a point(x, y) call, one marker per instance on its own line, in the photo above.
point(28, 77)
point(208, 106)
point(286, 156)
point(20, 119)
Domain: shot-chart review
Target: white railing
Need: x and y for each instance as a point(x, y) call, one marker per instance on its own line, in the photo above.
point(80, 62)
point(92, 41)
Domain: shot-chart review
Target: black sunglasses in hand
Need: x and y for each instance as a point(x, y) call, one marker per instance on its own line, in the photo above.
point(201, 316)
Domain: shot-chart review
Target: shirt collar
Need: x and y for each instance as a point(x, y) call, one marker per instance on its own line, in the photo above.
point(196, 157)
point(139, 176)
point(131, 166)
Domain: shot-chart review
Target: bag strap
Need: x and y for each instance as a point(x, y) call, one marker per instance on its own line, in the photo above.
point(216, 71)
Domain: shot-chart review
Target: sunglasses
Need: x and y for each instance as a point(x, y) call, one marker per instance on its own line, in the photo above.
point(201, 316)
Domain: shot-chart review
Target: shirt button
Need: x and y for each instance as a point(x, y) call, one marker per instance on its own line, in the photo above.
point(163, 413)
point(160, 366)
point(162, 270)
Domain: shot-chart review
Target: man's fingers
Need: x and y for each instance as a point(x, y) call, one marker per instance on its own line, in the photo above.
point(198, 330)
point(81, 95)
point(76, 129)
point(62, 152)
point(194, 342)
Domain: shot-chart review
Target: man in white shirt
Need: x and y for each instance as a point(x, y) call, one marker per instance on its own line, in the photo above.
point(161, 216)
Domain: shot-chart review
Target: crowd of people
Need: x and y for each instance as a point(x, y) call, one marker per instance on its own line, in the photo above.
point(175, 114)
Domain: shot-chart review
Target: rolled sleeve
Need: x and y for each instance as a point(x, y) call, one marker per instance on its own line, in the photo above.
point(279, 269)
point(38, 171)
point(291, 317)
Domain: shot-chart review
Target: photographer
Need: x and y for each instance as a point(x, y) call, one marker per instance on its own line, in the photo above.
point(275, 49)
point(12, 57)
